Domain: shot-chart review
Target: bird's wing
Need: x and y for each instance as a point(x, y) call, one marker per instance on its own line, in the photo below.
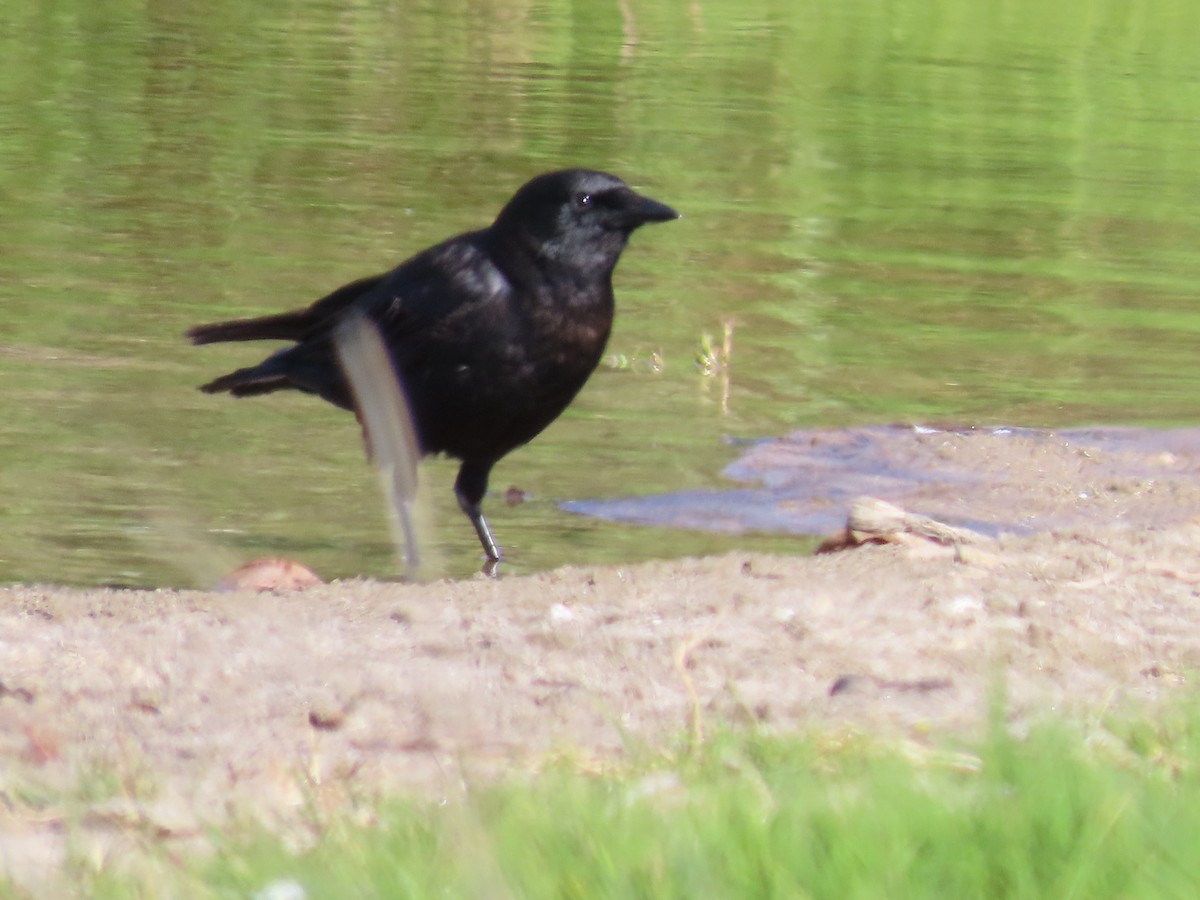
point(331, 306)
point(424, 300)
point(425, 309)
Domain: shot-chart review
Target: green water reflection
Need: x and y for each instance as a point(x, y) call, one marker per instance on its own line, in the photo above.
point(918, 212)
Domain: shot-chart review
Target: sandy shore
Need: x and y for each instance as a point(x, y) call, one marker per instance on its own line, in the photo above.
point(206, 704)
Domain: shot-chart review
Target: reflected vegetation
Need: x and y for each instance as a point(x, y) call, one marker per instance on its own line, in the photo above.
point(926, 212)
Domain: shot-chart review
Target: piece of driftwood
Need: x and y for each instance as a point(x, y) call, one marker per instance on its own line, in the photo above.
point(874, 521)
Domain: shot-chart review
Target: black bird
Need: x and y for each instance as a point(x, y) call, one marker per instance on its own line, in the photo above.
point(492, 333)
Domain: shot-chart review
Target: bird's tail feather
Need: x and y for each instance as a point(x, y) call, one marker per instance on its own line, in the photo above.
point(291, 326)
point(247, 382)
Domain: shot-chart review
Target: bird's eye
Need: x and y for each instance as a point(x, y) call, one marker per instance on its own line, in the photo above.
point(583, 201)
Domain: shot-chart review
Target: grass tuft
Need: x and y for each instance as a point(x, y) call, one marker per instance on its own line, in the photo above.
point(1113, 811)
point(1044, 816)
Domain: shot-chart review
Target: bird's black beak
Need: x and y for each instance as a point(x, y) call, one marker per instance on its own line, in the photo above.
point(641, 210)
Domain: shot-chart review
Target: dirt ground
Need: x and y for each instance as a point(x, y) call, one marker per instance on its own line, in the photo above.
point(207, 705)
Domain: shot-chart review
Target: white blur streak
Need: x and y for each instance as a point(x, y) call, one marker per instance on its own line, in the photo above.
point(390, 436)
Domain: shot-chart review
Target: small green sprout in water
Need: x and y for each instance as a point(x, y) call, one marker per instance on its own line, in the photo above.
point(652, 363)
point(712, 359)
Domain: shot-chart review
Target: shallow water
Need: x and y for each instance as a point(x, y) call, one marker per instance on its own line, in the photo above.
point(942, 214)
point(992, 481)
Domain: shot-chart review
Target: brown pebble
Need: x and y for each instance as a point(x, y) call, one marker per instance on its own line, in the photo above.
point(326, 718)
point(845, 683)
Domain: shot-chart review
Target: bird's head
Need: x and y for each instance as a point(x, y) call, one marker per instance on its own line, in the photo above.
point(578, 218)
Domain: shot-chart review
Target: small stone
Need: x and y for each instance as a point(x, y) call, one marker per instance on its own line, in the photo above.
point(282, 889)
point(270, 574)
point(327, 712)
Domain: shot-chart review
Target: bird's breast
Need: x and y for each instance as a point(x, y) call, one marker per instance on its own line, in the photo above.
point(496, 378)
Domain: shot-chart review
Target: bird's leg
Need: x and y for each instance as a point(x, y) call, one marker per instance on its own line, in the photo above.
point(469, 488)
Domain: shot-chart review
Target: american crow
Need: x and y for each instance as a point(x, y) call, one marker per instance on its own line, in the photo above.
point(492, 333)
